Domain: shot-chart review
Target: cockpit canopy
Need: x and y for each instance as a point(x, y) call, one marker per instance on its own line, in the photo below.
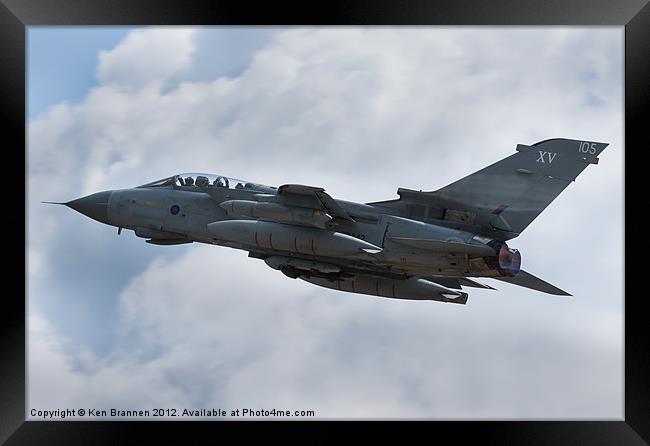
point(197, 181)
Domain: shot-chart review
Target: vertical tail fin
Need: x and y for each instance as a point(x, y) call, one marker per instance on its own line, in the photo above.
point(509, 194)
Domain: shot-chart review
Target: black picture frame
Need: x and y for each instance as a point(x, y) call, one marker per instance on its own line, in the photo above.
point(634, 15)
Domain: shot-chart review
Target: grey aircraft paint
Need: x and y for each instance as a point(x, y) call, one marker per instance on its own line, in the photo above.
point(422, 246)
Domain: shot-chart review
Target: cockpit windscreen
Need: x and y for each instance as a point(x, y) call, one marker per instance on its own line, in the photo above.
point(194, 181)
point(165, 182)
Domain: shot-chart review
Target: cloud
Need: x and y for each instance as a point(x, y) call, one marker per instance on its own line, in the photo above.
point(201, 333)
point(361, 112)
point(324, 94)
point(147, 55)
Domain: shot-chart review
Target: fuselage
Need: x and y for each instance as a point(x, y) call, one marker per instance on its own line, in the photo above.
point(372, 241)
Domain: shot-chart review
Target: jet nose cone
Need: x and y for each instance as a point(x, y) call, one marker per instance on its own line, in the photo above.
point(94, 206)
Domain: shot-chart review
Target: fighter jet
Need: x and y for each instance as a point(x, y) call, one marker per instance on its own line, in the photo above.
point(421, 246)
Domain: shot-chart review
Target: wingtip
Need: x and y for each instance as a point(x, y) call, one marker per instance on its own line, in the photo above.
point(53, 202)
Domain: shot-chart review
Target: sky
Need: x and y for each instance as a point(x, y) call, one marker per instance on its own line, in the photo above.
point(114, 322)
point(61, 62)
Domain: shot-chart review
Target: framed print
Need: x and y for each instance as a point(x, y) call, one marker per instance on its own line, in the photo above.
point(326, 112)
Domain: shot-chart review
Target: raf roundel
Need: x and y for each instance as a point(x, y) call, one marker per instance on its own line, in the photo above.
point(175, 209)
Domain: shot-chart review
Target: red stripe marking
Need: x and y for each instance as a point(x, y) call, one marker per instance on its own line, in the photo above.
point(338, 282)
point(312, 247)
point(394, 290)
point(256, 241)
point(353, 286)
point(295, 244)
point(271, 240)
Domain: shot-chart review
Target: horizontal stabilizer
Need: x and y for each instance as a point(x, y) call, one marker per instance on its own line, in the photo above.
point(445, 247)
point(527, 280)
